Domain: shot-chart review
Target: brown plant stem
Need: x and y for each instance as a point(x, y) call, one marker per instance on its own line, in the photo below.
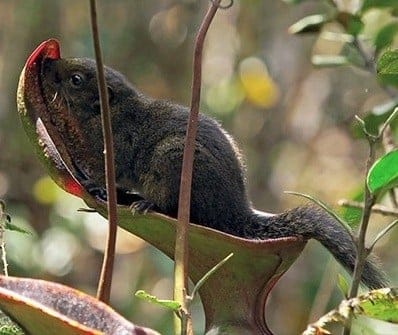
point(369, 201)
point(181, 244)
point(362, 252)
point(105, 281)
point(4, 217)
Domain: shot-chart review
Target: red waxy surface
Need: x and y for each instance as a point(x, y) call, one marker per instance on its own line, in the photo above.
point(46, 49)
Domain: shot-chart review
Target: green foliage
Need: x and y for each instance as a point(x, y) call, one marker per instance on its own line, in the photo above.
point(9, 327)
point(359, 45)
point(385, 36)
point(329, 61)
point(375, 117)
point(5, 220)
point(379, 304)
point(309, 24)
point(384, 173)
point(387, 68)
point(175, 306)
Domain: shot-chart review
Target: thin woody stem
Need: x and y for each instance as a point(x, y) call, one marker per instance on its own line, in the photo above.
point(181, 246)
point(105, 282)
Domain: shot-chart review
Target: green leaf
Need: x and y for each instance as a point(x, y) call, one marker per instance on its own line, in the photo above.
point(13, 227)
point(309, 24)
point(379, 304)
point(343, 285)
point(367, 4)
point(170, 304)
point(9, 327)
point(375, 118)
point(387, 68)
point(385, 36)
point(329, 61)
point(384, 173)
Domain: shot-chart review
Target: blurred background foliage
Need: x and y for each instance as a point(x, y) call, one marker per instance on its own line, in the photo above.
point(292, 121)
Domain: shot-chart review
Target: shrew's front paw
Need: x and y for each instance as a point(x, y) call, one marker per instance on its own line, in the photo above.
point(142, 206)
point(97, 192)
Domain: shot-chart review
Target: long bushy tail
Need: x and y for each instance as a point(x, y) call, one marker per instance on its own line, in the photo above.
point(311, 222)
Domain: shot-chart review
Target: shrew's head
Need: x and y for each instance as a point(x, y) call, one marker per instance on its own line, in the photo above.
point(70, 93)
point(75, 80)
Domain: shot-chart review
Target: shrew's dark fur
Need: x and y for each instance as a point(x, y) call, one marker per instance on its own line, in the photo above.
point(149, 140)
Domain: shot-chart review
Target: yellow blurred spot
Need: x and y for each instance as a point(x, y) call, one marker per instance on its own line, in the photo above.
point(45, 190)
point(258, 86)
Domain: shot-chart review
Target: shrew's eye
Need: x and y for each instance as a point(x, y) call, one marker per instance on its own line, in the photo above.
point(76, 80)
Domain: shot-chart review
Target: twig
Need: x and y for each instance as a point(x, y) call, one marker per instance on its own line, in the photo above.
point(379, 209)
point(382, 233)
point(3, 222)
point(362, 252)
point(370, 66)
point(181, 246)
point(368, 61)
point(105, 281)
point(367, 209)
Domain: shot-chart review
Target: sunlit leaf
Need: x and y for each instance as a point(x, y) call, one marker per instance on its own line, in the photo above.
point(5, 221)
point(387, 67)
point(9, 327)
point(384, 173)
point(13, 227)
point(375, 118)
point(329, 61)
point(170, 304)
point(379, 304)
point(309, 24)
point(385, 36)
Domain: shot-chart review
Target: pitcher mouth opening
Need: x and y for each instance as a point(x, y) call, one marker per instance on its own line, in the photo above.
point(46, 50)
point(36, 116)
